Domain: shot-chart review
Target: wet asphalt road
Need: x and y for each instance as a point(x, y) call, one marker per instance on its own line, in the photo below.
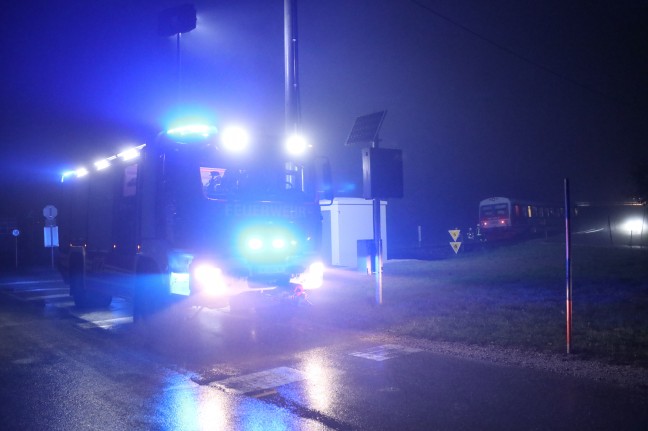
point(274, 369)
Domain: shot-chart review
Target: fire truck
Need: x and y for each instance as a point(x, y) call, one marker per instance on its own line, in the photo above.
point(196, 215)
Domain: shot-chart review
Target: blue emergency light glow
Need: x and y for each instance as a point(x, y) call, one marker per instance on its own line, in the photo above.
point(67, 174)
point(278, 243)
point(192, 131)
point(267, 243)
point(254, 243)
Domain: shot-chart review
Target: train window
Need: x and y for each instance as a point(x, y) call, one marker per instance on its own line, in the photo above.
point(494, 210)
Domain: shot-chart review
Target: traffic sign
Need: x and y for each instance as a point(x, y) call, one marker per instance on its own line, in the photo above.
point(454, 233)
point(455, 246)
point(50, 212)
point(50, 234)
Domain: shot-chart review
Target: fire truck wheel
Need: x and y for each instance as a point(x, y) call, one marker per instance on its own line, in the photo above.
point(84, 298)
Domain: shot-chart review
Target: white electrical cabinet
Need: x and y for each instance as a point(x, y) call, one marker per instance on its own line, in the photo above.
point(346, 222)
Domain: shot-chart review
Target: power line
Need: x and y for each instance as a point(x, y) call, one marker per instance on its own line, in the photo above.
point(523, 58)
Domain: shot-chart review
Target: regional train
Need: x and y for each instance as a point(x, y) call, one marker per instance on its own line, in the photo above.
point(505, 218)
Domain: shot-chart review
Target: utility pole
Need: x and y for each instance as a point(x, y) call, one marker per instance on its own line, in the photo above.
point(291, 68)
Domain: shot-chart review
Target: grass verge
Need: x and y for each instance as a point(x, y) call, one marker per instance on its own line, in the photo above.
point(511, 296)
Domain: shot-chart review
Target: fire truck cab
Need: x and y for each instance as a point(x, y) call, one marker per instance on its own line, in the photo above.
point(191, 215)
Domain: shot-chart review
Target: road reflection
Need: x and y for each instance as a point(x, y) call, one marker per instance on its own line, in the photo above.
point(318, 382)
point(184, 405)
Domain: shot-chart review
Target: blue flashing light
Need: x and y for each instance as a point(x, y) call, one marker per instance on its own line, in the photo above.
point(67, 174)
point(278, 243)
point(192, 131)
point(268, 243)
point(255, 243)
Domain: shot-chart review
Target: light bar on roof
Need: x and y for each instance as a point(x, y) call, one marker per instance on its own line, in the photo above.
point(192, 130)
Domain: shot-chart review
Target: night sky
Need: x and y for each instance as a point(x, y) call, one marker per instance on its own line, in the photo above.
point(485, 98)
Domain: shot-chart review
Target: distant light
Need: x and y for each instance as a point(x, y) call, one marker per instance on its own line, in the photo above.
point(633, 225)
point(235, 138)
point(192, 130)
point(296, 144)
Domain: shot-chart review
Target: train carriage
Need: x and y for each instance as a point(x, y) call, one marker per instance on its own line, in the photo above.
point(505, 218)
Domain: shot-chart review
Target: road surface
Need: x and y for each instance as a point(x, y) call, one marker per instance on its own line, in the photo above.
point(270, 369)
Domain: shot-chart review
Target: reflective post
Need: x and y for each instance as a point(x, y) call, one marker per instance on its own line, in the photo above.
point(378, 250)
point(568, 275)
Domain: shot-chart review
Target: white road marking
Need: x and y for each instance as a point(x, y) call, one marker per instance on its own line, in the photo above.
point(385, 352)
point(106, 323)
point(17, 283)
point(261, 381)
point(43, 297)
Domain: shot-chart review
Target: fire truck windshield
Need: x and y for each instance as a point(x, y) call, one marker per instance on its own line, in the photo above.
point(236, 183)
point(259, 175)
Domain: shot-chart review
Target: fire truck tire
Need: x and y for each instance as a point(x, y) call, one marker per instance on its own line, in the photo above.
point(83, 298)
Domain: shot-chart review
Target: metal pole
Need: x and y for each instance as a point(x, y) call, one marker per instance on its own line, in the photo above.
point(568, 275)
point(51, 229)
point(378, 250)
point(377, 244)
point(16, 251)
point(178, 68)
point(291, 71)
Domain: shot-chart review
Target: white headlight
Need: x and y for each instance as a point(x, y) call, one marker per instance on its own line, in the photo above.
point(235, 139)
point(209, 279)
point(296, 145)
